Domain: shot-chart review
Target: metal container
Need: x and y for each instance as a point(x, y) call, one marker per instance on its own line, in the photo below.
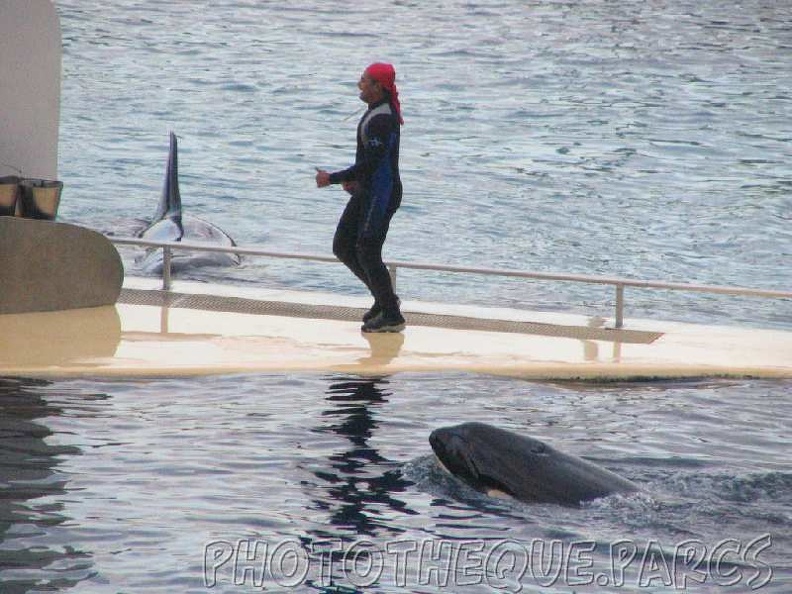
point(9, 194)
point(39, 198)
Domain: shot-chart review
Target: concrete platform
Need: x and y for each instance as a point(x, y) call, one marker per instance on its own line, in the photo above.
point(51, 266)
point(199, 329)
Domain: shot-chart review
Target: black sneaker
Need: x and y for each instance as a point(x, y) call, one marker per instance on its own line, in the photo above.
point(385, 323)
point(376, 310)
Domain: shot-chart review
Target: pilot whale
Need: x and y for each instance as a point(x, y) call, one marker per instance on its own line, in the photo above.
point(171, 224)
point(489, 458)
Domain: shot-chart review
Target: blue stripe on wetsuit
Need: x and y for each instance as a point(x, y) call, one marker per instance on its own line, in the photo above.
point(381, 193)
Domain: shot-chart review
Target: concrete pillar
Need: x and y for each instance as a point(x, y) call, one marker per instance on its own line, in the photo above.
point(30, 78)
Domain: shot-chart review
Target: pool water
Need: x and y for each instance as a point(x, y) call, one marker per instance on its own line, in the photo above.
point(306, 483)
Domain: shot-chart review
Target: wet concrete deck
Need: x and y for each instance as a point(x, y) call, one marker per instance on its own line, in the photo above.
point(200, 328)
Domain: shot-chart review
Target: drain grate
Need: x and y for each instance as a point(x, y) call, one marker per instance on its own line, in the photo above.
point(353, 314)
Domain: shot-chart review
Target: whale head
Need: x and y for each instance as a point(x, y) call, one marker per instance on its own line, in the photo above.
point(484, 456)
point(491, 459)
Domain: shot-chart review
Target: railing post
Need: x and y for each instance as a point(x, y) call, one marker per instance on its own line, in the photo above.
point(166, 268)
point(619, 306)
point(392, 271)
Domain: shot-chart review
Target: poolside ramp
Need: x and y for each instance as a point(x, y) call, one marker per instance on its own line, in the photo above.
point(205, 328)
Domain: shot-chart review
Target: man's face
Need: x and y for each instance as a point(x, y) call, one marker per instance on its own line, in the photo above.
point(370, 90)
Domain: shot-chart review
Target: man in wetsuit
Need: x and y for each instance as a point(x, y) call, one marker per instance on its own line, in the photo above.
point(375, 193)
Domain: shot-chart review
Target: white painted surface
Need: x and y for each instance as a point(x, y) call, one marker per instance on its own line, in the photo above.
point(148, 341)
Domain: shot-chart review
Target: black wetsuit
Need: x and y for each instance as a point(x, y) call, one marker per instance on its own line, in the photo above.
point(364, 225)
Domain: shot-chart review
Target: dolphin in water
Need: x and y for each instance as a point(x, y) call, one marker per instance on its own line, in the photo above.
point(492, 459)
point(170, 224)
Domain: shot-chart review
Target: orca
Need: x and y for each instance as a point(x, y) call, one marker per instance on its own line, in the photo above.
point(491, 459)
point(171, 224)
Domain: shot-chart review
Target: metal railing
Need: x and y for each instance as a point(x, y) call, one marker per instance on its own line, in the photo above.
point(620, 284)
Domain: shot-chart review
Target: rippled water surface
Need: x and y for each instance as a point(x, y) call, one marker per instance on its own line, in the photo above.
point(150, 486)
point(648, 139)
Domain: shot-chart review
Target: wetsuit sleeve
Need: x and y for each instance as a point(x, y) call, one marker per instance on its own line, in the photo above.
point(371, 154)
point(343, 176)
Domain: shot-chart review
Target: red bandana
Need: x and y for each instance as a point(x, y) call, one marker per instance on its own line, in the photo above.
point(385, 75)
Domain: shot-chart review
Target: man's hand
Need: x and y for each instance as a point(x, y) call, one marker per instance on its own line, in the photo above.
point(322, 178)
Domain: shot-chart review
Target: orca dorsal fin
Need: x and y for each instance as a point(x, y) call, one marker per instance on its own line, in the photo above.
point(170, 202)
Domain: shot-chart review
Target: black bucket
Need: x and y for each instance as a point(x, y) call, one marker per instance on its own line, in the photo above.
point(9, 195)
point(39, 198)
